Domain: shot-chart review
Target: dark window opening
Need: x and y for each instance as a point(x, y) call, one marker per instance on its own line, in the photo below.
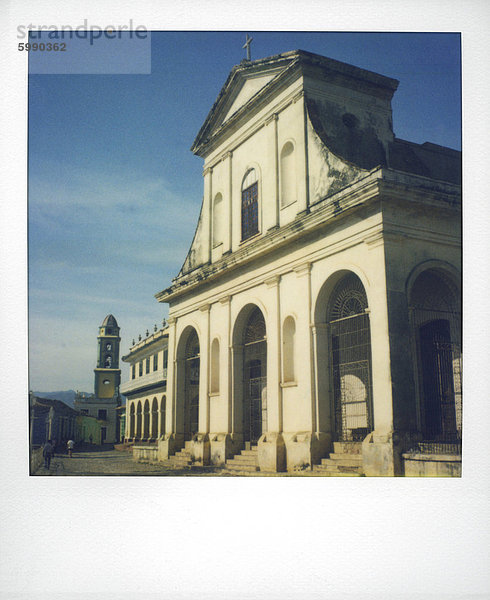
point(250, 212)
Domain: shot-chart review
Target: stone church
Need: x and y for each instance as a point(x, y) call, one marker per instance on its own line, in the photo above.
point(315, 322)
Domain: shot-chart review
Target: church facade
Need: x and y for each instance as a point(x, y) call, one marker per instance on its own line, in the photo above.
point(315, 323)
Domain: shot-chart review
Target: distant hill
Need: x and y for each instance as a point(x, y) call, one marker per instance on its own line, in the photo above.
point(68, 396)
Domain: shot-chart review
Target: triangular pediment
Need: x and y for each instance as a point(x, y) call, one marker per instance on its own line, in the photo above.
point(247, 88)
point(245, 83)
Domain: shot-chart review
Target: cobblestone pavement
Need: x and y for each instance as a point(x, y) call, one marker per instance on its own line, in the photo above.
point(115, 462)
point(108, 462)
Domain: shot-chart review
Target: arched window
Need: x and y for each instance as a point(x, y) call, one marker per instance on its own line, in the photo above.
point(288, 175)
point(288, 335)
point(218, 220)
point(250, 205)
point(214, 388)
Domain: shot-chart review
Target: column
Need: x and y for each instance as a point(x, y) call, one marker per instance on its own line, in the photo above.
point(305, 343)
point(170, 424)
point(275, 222)
point(225, 367)
point(273, 333)
point(207, 213)
point(304, 198)
point(204, 371)
point(228, 241)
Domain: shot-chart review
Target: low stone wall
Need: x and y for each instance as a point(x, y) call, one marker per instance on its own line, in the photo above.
point(145, 453)
point(36, 459)
point(431, 465)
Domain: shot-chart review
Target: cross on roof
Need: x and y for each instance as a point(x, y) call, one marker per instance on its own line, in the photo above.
point(248, 41)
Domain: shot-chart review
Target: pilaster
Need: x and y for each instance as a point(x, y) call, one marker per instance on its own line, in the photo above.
point(207, 212)
point(204, 371)
point(171, 416)
point(228, 242)
point(273, 333)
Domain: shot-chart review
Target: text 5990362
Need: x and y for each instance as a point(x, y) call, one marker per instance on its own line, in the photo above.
point(42, 47)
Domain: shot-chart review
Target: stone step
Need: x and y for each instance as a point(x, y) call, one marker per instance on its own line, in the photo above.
point(345, 456)
point(175, 465)
point(183, 453)
point(181, 456)
point(242, 460)
point(245, 457)
point(240, 466)
point(335, 461)
point(253, 452)
point(180, 462)
point(347, 447)
point(332, 473)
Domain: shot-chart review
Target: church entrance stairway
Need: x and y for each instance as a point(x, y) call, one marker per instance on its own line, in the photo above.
point(247, 460)
point(344, 461)
point(181, 459)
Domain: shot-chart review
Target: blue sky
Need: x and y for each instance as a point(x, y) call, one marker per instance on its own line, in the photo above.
point(114, 191)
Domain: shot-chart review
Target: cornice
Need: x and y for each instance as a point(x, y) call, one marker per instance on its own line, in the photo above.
point(382, 184)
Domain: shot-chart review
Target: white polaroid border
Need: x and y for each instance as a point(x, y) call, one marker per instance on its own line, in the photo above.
point(232, 537)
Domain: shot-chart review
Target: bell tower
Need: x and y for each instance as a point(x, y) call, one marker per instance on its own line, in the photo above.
point(107, 371)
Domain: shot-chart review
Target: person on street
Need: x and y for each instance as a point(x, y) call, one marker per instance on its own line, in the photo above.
point(70, 445)
point(47, 454)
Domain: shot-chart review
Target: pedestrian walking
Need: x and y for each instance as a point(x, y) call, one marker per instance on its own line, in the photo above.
point(47, 453)
point(70, 445)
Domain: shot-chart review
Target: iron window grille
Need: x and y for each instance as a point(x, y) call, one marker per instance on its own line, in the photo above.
point(250, 212)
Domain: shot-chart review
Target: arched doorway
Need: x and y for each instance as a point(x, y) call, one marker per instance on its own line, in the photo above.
point(350, 344)
point(254, 376)
point(191, 397)
point(146, 420)
point(436, 324)
point(131, 421)
point(138, 421)
point(154, 419)
point(163, 414)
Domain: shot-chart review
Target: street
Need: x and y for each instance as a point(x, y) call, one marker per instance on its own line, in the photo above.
point(101, 461)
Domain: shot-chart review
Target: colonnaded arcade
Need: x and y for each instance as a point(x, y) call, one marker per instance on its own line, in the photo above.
point(315, 322)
